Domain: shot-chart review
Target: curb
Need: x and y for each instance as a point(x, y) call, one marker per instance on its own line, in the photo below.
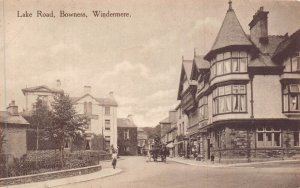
point(68, 180)
point(248, 165)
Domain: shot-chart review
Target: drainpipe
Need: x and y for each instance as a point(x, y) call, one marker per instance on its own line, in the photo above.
point(252, 119)
point(251, 95)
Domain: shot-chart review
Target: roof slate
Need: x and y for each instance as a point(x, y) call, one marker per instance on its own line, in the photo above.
point(187, 66)
point(287, 42)
point(101, 101)
point(271, 46)
point(5, 117)
point(125, 122)
point(166, 120)
point(37, 88)
point(201, 63)
point(231, 33)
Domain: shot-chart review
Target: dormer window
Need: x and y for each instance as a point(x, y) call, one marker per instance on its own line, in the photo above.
point(229, 62)
point(295, 62)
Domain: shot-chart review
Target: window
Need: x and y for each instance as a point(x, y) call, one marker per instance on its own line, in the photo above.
point(107, 124)
point(230, 98)
point(268, 137)
point(87, 107)
point(203, 109)
point(291, 98)
point(296, 138)
point(88, 124)
point(107, 110)
point(126, 134)
point(229, 62)
point(107, 142)
point(295, 61)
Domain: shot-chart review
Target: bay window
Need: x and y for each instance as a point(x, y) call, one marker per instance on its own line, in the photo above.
point(229, 62)
point(291, 98)
point(230, 98)
point(268, 137)
point(203, 109)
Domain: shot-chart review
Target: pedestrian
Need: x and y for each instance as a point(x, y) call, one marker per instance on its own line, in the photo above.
point(212, 158)
point(114, 159)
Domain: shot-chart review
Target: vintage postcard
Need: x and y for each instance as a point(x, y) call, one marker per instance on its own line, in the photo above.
point(149, 93)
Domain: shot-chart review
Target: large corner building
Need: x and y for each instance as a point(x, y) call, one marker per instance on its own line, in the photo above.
point(242, 98)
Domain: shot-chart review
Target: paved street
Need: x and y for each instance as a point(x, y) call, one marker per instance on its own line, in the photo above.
point(139, 173)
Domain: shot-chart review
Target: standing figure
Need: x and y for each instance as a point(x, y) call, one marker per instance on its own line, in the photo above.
point(114, 159)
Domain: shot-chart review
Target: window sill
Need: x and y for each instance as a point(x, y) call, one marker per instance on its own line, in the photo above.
point(226, 113)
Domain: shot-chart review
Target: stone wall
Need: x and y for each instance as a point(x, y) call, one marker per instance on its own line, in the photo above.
point(238, 144)
point(15, 144)
point(49, 175)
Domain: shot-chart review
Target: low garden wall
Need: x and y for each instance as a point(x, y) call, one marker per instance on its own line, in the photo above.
point(49, 175)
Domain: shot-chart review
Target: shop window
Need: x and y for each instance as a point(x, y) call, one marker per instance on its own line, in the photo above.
point(230, 98)
point(296, 138)
point(291, 98)
point(268, 137)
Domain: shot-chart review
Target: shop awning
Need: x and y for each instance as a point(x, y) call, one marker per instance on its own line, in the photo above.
point(170, 145)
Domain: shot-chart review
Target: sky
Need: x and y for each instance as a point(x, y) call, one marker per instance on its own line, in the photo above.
point(138, 58)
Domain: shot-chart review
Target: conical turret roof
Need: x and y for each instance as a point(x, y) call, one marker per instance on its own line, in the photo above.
point(231, 33)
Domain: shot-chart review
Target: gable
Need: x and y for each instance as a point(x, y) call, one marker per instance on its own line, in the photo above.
point(87, 98)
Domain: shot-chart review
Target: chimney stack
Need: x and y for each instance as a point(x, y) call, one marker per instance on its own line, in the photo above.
point(13, 109)
point(259, 27)
point(58, 84)
point(87, 89)
point(111, 94)
point(172, 116)
point(130, 117)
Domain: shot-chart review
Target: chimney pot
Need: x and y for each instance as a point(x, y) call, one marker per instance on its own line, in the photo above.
point(13, 109)
point(58, 83)
point(111, 94)
point(130, 117)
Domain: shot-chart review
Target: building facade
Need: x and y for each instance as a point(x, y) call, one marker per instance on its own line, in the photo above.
point(14, 128)
point(242, 97)
point(102, 115)
point(43, 92)
point(127, 136)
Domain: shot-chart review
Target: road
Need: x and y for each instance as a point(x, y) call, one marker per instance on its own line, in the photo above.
point(137, 173)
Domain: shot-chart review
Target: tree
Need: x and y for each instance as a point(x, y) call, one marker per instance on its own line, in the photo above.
point(65, 124)
point(40, 118)
point(2, 141)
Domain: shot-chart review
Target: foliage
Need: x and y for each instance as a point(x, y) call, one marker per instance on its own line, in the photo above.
point(152, 132)
point(44, 144)
point(2, 140)
point(41, 115)
point(97, 142)
point(65, 123)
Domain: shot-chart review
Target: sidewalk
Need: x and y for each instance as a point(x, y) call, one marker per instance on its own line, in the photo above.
point(220, 165)
point(105, 172)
